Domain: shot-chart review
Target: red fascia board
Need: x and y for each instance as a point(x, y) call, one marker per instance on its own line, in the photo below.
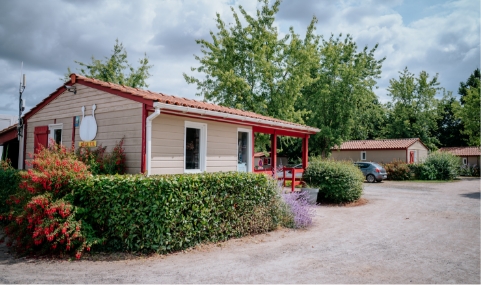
point(116, 92)
point(8, 136)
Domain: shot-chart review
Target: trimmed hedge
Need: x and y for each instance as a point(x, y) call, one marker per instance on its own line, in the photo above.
point(173, 212)
point(444, 165)
point(338, 181)
point(9, 182)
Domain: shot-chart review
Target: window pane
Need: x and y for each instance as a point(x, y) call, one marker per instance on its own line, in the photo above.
point(57, 136)
point(242, 151)
point(192, 148)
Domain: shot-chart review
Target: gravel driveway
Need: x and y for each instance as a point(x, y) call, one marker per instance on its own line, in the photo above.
point(408, 232)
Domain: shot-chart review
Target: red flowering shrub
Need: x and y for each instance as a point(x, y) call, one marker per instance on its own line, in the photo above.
point(114, 163)
point(101, 162)
point(42, 218)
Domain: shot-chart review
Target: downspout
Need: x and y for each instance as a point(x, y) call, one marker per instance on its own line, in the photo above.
point(148, 142)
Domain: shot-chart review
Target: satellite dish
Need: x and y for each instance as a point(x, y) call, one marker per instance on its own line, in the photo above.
point(88, 125)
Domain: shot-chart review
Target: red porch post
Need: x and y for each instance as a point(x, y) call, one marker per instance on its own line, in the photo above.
point(305, 151)
point(274, 152)
point(253, 150)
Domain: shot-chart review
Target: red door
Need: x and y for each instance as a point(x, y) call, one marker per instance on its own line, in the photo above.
point(40, 137)
point(411, 157)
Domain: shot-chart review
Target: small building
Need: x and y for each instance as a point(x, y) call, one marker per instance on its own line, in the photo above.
point(410, 150)
point(162, 134)
point(261, 160)
point(468, 155)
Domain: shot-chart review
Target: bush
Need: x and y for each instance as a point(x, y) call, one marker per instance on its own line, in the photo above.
point(41, 217)
point(173, 212)
point(467, 170)
point(101, 162)
point(338, 181)
point(9, 181)
point(299, 212)
point(398, 170)
point(444, 164)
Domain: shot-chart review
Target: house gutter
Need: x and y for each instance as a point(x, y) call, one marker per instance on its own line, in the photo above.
point(185, 109)
point(148, 142)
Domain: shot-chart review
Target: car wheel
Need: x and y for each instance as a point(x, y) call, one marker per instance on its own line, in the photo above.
point(370, 178)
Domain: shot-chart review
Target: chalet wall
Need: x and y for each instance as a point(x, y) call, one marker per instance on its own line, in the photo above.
point(168, 145)
point(379, 156)
point(116, 117)
point(422, 151)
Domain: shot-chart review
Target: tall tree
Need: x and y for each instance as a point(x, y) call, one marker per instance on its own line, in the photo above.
point(472, 82)
point(413, 112)
point(341, 100)
point(252, 68)
point(469, 112)
point(116, 69)
point(449, 126)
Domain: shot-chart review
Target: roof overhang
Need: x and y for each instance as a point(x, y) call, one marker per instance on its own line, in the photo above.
point(8, 134)
point(263, 125)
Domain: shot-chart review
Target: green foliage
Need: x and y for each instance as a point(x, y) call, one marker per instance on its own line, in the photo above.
point(173, 212)
point(251, 67)
point(398, 170)
point(10, 180)
point(116, 69)
point(340, 101)
point(439, 165)
point(41, 217)
point(101, 162)
point(468, 170)
point(413, 113)
point(469, 112)
point(338, 181)
point(449, 126)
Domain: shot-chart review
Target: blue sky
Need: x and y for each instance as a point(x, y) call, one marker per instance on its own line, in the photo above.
point(48, 36)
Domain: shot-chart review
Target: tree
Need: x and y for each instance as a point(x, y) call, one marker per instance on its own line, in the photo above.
point(341, 101)
point(469, 112)
point(252, 68)
point(472, 82)
point(449, 126)
point(116, 69)
point(413, 112)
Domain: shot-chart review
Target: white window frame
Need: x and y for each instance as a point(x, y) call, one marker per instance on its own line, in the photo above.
point(202, 148)
point(465, 161)
point(51, 132)
point(363, 155)
point(249, 146)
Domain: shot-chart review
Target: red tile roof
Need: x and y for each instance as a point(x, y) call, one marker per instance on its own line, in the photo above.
point(463, 150)
point(377, 144)
point(185, 102)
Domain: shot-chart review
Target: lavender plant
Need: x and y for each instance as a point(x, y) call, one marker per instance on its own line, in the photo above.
point(300, 209)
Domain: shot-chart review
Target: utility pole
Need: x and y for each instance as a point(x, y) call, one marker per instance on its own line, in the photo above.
point(21, 104)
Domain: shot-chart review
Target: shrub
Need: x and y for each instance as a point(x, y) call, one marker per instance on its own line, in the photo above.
point(444, 164)
point(173, 212)
point(398, 170)
point(338, 181)
point(467, 170)
point(41, 217)
point(298, 210)
point(9, 181)
point(101, 162)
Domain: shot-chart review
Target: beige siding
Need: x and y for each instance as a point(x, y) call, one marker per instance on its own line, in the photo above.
point(422, 151)
point(379, 156)
point(116, 117)
point(168, 145)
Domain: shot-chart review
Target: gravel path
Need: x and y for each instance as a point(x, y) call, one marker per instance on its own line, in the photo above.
point(408, 232)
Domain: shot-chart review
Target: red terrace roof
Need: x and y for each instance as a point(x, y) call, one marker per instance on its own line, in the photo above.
point(149, 97)
point(463, 150)
point(8, 134)
point(377, 144)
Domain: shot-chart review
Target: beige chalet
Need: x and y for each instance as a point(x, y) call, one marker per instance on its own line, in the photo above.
point(468, 155)
point(162, 134)
point(410, 150)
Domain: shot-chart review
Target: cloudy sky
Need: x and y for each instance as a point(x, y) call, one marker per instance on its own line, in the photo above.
point(48, 36)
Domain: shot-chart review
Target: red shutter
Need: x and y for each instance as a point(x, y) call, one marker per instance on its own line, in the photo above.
point(411, 157)
point(40, 137)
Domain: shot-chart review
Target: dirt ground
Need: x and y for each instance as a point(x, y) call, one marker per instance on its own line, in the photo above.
point(407, 232)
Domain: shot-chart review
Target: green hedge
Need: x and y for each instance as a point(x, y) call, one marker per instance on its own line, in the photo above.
point(398, 170)
point(440, 165)
point(338, 181)
point(9, 181)
point(173, 212)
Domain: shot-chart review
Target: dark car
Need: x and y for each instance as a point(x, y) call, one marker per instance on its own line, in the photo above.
point(373, 171)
